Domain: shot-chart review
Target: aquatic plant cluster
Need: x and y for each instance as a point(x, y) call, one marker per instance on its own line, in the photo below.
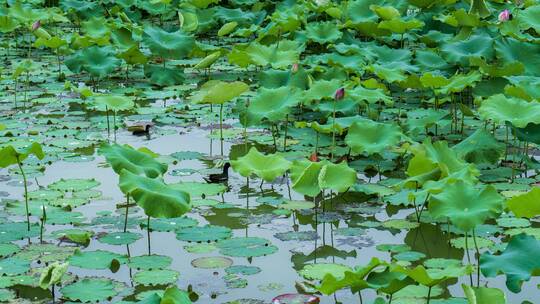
point(251, 152)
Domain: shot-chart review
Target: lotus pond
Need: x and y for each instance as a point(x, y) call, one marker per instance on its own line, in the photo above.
point(379, 151)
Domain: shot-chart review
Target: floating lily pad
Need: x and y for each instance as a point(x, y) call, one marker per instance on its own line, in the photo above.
point(90, 290)
point(156, 277)
point(99, 259)
point(149, 262)
point(318, 271)
point(208, 233)
point(119, 238)
point(246, 247)
point(211, 262)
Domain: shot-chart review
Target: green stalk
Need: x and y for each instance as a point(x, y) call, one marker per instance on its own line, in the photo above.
point(221, 127)
point(468, 257)
point(43, 220)
point(25, 193)
point(148, 232)
point(127, 209)
point(477, 259)
point(286, 129)
point(333, 132)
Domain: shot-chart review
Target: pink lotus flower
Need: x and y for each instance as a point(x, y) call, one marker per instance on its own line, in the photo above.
point(504, 16)
point(340, 94)
point(313, 157)
point(294, 68)
point(36, 25)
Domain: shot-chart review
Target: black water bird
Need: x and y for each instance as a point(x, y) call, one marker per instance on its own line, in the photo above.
point(219, 177)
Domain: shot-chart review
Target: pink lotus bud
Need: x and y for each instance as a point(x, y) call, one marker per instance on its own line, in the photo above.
point(340, 93)
point(36, 25)
point(504, 15)
point(294, 68)
point(313, 157)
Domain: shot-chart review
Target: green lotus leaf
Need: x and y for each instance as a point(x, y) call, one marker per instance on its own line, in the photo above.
point(173, 295)
point(385, 12)
point(274, 79)
point(13, 266)
point(119, 238)
point(164, 76)
point(480, 148)
point(246, 247)
point(149, 262)
point(518, 112)
point(89, 290)
point(460, 82)
point(74, 184)
point(337, 177)
point(478, 295)
point(272, 104)
point(170, 224)
point(219, 92)
point(323, 32)
point(320, 270)
point(267, 167)
point(528, 18)
point(11, 155)
point(512, 50)
point(305, 177)
point(158, 199)
point(8, 249)
point(371, 96)
point(479, 7)
point(355, 279)
point(508, 69)
point(322, 89)
point(98, 61)
point(525, 205)
point(99, 259)
point(227, 28)
point(211, 262)
point(133, 55)
point(52, 274)
point(96, 28)
point(113, 102)
point(466, 205)
point(156, 277)
point(433, 276)
point(386, 73)
point(206, 233)
point(372, 137)
point(460, 52)
point(279, 56)
point(172, 45)
point(400, 26)
point(242, 269)
point(518, 261)
point(125, 157)
point(208, 60)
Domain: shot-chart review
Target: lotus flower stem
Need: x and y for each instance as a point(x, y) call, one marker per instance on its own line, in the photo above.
point(148, 233)
point(221, 127)
point(127, 210)
point(468, 256)
point(360, 297)
point(25, 193)
point(429, 294)
point(108, 125)
point(43, 220)
point(285, 136)
point(114, 125)
point(477, 259)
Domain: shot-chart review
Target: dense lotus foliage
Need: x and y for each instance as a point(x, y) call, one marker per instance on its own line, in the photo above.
point(380, 151)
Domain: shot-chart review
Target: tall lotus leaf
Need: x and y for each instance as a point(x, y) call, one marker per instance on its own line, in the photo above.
point(433, 276)
point(460, 82)
point(526, 205)
point(96, 27)
point(158, 199)
point(512, 50)
point(371, 96)
point(529, 18)
point(219, 92)
point(10, 155)
point(272, 104)
point(52, 274)
point(337, 177)
point(447, 159)
point(400, 26)
point(173, 45)
point(173, 295)
point(479, 7)
point(323, 32)
point(372, 137)
point(518, 112)
point(113, 103)
point(267, 167)
point(305, 177)
point(227, 28)
point(518, 261)
point(126, 158)
point(465, 205)
point(352, 279)
point(322, 89)
point(480, 148)
point(279, 56)
point(208, 60)
point(164, 76)
point(461, 51)
point(385, 12)
point(98, 61)
point(479, 295)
